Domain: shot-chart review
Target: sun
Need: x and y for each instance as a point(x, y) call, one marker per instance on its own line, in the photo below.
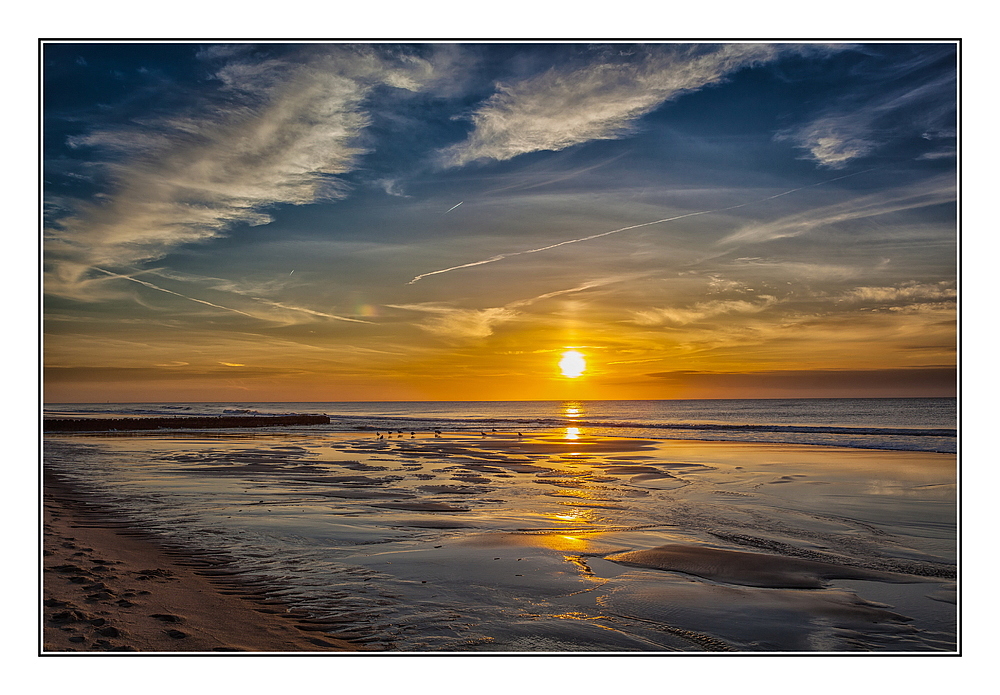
point(572, 364)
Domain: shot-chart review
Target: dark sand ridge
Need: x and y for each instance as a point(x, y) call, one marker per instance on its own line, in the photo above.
point(749, 569)
point(106, 588)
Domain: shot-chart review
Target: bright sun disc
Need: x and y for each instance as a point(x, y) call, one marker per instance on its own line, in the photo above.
point(572, 364)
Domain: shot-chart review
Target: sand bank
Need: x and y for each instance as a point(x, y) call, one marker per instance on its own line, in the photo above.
point(108, 590)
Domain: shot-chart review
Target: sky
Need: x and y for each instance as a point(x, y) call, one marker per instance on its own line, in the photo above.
point(378, 221)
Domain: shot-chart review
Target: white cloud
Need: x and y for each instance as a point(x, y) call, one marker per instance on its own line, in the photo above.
point(850, 130)
point(835, 140)
point(278, 132)
point(601, 101)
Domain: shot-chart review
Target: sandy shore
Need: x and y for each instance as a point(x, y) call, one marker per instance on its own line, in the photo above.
point(106, 589)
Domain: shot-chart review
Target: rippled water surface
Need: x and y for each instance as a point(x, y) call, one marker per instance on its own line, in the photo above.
point(907, 424)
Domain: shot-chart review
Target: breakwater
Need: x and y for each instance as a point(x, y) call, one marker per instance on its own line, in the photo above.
point(155, 423)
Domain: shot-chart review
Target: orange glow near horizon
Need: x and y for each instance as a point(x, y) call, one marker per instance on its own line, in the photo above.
point(572, 364)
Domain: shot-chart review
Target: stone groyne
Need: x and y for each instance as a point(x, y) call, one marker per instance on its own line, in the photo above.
point(155, 423)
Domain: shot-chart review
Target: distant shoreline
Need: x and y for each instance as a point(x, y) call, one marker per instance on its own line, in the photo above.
point(155, 423)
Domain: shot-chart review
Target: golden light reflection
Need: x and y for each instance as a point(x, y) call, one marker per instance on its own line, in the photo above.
point(572, 433)
point(572, 364)
point(562, 543)
point(572, 409)
point(570, 515)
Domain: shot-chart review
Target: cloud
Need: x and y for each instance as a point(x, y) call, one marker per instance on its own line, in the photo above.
point(672, 218)
point(281, 317)
point(935, 380)
point(96, 374)
point(908, 293)
point(603, 100)
point(835, 140)
point(587, 285)
point(460, 324)
point(277, 131)
point(392, 187)
point(931, 191)
point(701, 311)
point(851, 130)
point(464, 324)
point(176, 294)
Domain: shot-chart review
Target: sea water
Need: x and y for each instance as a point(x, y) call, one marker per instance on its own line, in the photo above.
point(911, 424)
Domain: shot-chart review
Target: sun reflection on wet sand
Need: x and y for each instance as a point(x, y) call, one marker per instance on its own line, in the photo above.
point(489, 523)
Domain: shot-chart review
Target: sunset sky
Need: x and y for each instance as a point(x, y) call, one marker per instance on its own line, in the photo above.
point(323, 222)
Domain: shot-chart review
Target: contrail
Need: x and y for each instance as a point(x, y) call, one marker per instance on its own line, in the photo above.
point(178, 294)
point(226, 308)
point(500, 257)
point(451, 208)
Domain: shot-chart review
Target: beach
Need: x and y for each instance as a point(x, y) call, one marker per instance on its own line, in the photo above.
point(109, 588)
point(555, 541)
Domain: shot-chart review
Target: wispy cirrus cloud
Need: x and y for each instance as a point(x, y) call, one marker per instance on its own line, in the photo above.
point(277, 132)
point(909, 293)
point(258, 312)
point(701, 311)
point(932, 191)
point(602, 100)
point(457, 323)
point(853, 129)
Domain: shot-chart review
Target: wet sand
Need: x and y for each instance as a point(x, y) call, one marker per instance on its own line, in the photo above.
point(504, 543)
point(106, 589)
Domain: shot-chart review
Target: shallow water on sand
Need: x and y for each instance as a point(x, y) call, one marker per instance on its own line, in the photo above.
point(506, 543)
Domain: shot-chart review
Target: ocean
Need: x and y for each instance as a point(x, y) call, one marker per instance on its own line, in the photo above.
point(909, 424)
point(561, 527)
